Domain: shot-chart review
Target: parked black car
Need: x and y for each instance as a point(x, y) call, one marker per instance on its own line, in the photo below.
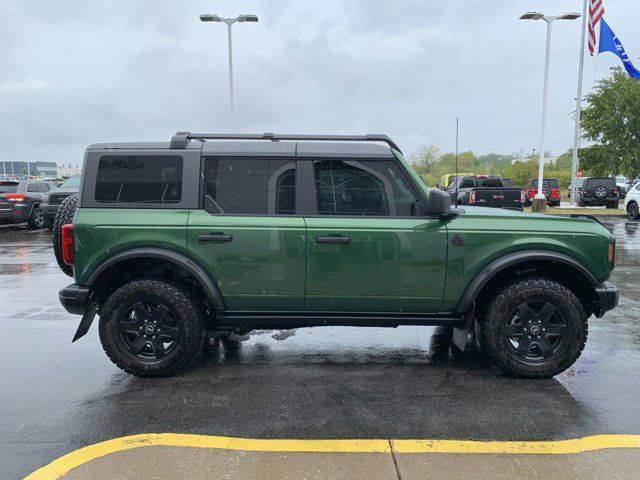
point(486, 191)
point(597, 192)
point(56, 196)
point(20, 201)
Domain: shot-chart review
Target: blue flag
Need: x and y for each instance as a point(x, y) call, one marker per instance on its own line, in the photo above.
point(610, 43)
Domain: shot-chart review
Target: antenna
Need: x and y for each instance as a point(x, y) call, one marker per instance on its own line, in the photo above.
point(456, 177)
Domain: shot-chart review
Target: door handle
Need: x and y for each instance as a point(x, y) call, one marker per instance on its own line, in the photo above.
point(334, 240)
point(215, 237)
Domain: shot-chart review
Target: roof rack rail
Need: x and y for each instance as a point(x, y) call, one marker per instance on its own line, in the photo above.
point(180, 139)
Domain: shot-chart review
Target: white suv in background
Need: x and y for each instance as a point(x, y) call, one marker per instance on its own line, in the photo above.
point(632, 202)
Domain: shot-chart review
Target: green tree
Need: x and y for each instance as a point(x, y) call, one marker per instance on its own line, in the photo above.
point(612, 121)
point(423, 161)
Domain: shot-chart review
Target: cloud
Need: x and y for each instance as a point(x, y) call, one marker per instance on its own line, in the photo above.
point(73, 73)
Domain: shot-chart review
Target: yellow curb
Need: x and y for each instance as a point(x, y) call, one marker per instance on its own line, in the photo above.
point(64, 464)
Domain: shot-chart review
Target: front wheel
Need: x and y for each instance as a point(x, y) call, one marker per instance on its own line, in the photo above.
point(632, 211)
point(151, 328)
point(534, 328)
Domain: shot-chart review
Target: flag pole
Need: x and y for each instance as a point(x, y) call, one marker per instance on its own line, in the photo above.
point(577, 130)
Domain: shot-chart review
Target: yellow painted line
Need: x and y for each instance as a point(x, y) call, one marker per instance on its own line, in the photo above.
point(66, 463)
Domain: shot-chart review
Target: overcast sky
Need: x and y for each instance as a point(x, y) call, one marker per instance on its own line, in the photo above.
point(74, 72)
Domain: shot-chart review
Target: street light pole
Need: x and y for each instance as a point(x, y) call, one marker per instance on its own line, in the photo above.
point(229, 22)
point(231, 108)
point(539, 202)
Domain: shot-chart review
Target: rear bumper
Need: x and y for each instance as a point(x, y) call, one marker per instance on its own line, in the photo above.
point(608, 296)
point(21, 212)
point(595, 201)
point(5, 214)
point(74, 298)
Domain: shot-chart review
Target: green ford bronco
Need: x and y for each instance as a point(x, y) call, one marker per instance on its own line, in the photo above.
point(173, 243)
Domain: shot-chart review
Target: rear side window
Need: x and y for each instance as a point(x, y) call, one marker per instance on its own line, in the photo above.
point(363, 187)
point(150, 179)
point(8, 187)
point(250, 186)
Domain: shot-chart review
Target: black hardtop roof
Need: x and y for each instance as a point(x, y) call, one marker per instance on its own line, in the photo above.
point(268, 144)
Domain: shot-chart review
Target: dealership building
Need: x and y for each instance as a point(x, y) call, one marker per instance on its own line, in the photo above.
point(38, 169)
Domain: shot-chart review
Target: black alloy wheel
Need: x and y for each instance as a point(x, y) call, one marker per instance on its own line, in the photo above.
point(148, 331)
point(536, 331)
point(532, 327)
point(632, 211)
point(152, 328)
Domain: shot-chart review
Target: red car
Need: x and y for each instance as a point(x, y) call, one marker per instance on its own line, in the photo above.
point(549, 189)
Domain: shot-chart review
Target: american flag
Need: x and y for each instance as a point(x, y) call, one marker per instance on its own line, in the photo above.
point(596, 10)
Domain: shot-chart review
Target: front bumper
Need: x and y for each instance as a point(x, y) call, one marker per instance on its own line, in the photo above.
point(608, 296)
point(74, 298)
point(49, 211)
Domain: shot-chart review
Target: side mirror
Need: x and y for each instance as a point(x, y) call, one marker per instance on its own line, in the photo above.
point(439, 203)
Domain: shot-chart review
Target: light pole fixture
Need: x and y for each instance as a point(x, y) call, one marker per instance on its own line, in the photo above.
point(539, 202)
point(229, 21)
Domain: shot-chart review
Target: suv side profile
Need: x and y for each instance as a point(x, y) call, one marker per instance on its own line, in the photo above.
point(598, 192)
point(213, 233)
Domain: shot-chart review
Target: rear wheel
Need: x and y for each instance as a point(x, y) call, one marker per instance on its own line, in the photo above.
point(63, 216)
point(151, 328)
point(36, 219)
point(632, 211)
point(534, 328)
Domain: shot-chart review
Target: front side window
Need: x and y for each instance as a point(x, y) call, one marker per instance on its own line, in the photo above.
point(141, 179)
point(250, 186)
point(363, 188)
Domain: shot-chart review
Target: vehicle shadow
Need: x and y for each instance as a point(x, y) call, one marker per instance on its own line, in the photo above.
point(250, 390)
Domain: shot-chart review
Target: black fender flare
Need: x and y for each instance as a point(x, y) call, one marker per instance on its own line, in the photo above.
point(490, 271)
point(206, 282)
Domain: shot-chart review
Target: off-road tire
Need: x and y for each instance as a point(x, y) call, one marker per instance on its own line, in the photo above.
point(64, 215)
point(36, 219)
point(184, 309)
point(506, 300)
point(632, 211)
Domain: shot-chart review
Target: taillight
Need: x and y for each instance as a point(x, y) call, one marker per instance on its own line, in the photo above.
point(67, 244)
point(15, 197)
point(615, 189)
point(611, 257)
point(555, 193)
point(472, 197)
point(522, 196)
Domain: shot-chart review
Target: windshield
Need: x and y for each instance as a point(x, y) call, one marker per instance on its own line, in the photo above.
point(72, 182)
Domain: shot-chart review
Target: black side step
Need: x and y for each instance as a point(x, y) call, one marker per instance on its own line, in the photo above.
point(315, 320)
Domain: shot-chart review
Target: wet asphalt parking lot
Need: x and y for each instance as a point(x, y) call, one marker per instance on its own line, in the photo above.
point(338, 382)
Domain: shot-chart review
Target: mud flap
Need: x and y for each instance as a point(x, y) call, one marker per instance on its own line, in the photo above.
point(86, 321)
point(461, 334)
